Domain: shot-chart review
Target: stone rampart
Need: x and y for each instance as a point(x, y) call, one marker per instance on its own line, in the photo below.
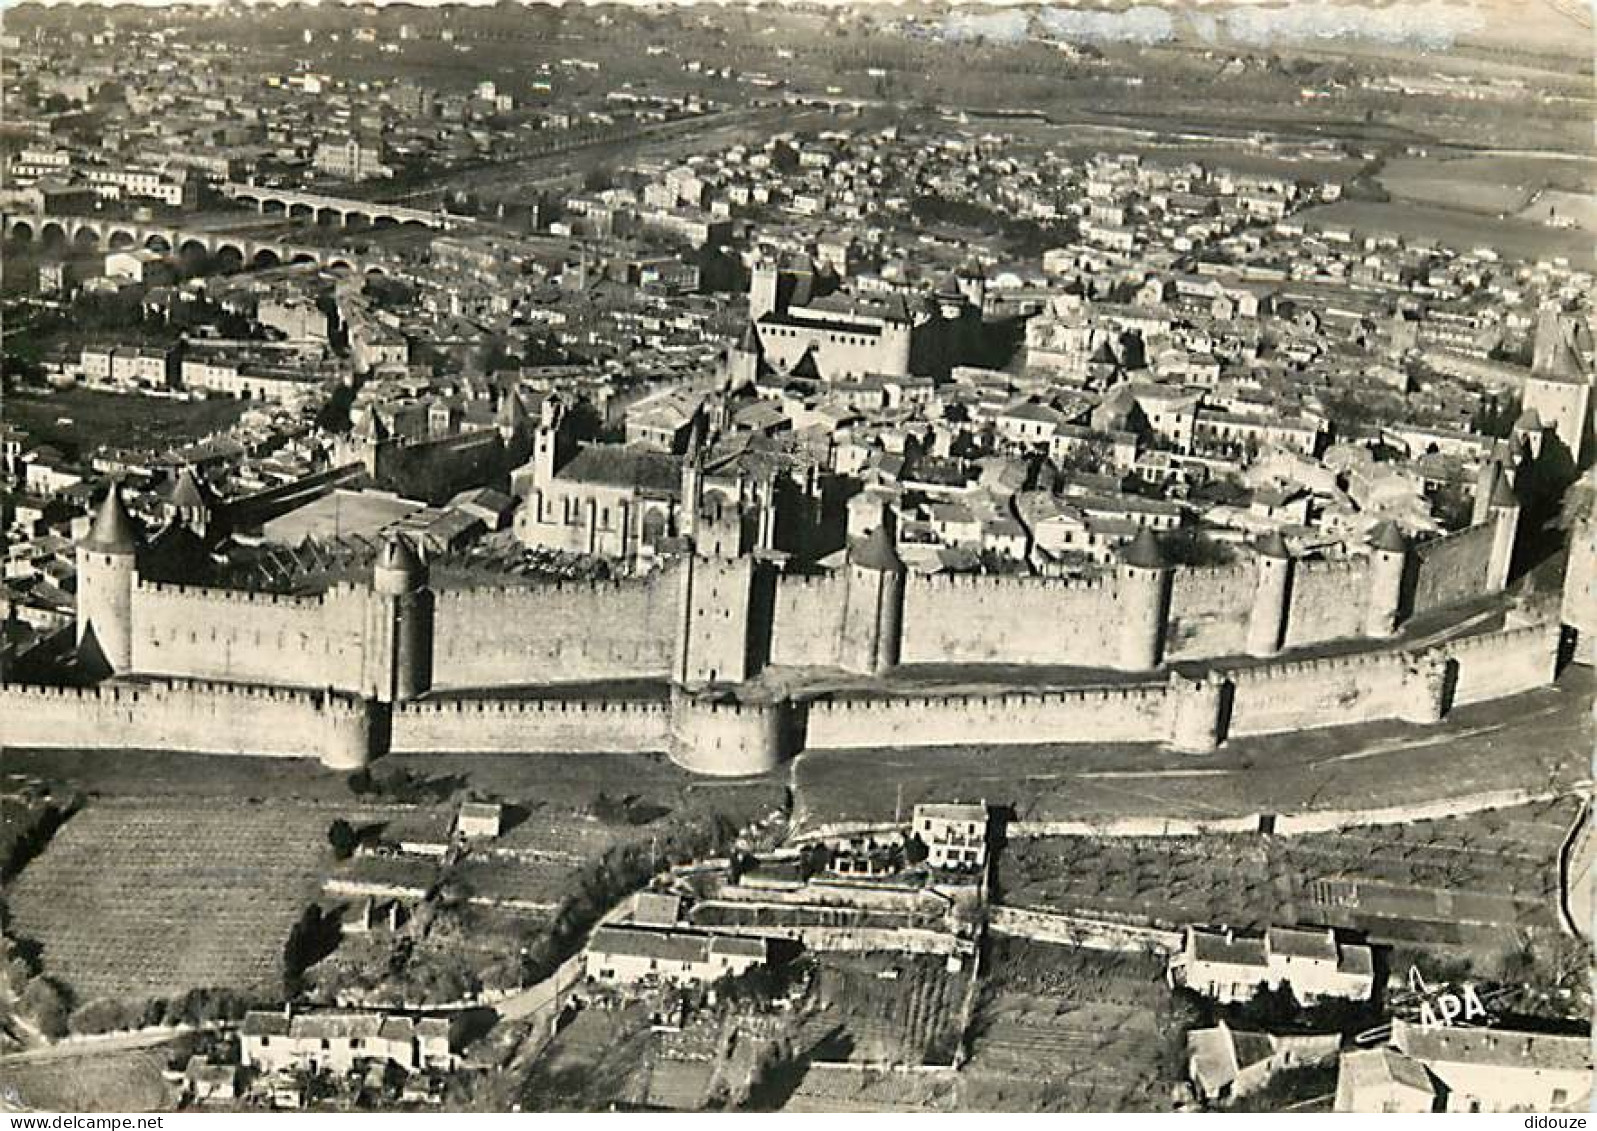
point(557, 633)
point(504, 726)
point(1452, 568)
point(199, 718)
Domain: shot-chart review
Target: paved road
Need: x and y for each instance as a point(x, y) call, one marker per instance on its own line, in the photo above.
point(95, 1046)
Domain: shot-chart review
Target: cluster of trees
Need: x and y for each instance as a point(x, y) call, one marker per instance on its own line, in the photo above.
point(197, 1007)
point(27, 827)
point(405, 786)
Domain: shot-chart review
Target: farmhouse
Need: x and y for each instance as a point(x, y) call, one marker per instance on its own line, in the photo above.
point(276, 1042)
point(628, 955)
point(955, 835)
point(1312, 963)
point(1479, 1070)
point(1225, 1063)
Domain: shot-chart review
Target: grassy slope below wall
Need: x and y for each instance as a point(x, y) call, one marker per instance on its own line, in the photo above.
point(1533, 741)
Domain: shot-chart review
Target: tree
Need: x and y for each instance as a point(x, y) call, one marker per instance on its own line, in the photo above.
point(312, 939)
point(105, 1016)
point(47, 1004)
point(343, 837)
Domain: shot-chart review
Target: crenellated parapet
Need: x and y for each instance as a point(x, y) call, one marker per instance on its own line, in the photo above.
point(191, 716)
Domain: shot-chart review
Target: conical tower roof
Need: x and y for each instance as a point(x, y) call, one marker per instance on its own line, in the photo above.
point(806, 367)
point(1503, 494)
point(1272, 545)
point(876, 551)
point(188, 493)
point(1553, 354)
point(398, 556)
point(750, 341)
point(512, 413)
point(1144, 552)
point(1389, 538)
point(113, 530)
point(371, 426)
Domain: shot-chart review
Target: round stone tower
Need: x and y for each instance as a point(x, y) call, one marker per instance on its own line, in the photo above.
point(107, 571)
point(1388, 567)
point(1144, 601)
point(874, 615)
point(399, 589)
point(1271, 596)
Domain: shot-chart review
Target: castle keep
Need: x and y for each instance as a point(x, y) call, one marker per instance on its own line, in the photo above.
point(391, 665)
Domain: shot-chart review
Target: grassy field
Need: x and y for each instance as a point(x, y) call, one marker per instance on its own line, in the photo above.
point(1532, 741)
point(1462, 884)
point(1489, 185)
point(111, 1081)
point(1578, 208)
point(1062, 1029)
point(1454, 228)
point(79, 420)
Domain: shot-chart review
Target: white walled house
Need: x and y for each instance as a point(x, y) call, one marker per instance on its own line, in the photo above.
point(625, 955)
point(955, 835)
point(1222, 966)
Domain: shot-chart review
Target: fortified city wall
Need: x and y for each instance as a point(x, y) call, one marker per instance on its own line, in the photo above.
point(557, 633)
point(364, 657)
point(199, 718)
point(239, 637)
point(718, 736)
point(504, 726)
point(1328, 601)
point(1210, 609)
point(1452, 568)
point(958, 619)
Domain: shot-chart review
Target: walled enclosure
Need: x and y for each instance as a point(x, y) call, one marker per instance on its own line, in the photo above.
point(372, 652)
point(718, 736)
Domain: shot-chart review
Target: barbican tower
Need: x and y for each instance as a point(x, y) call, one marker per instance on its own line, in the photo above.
point(107, 565)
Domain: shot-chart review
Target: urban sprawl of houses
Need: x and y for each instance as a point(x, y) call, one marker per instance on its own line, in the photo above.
point(800, 431)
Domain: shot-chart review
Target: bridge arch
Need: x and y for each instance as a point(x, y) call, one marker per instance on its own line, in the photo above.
point(86, 237)
point(274, 206)
point(299, 210)
point(357, 219)
point(329, 217)
point(249, 200)
point(265, 257)
point(155, 241)
point(228, 257)
point(21, 230)
point(53, 232)
point(337, 264)
point(120, 238)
